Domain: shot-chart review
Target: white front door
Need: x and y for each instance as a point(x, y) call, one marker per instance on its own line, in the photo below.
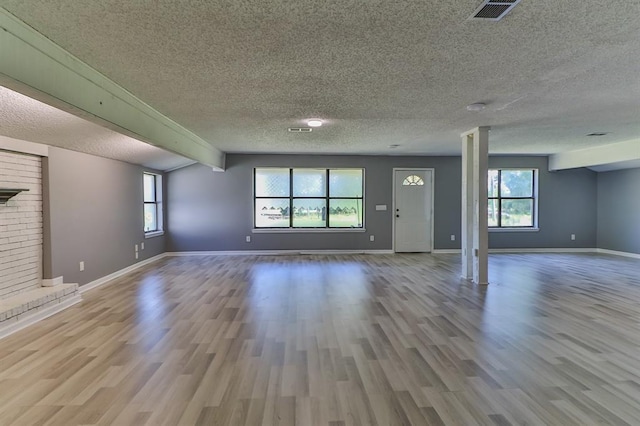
point(413, 210)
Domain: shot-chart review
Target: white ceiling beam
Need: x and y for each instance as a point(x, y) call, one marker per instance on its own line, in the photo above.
point(621, 152)
point(35, 66)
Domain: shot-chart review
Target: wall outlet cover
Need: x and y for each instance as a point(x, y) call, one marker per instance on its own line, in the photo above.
point(81, 266)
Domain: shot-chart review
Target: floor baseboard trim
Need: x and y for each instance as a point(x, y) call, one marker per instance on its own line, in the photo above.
point(273, 252)
point(619, 253)
point(544, 250)
point(101, 281)
point(523, 250)
point(39, 315)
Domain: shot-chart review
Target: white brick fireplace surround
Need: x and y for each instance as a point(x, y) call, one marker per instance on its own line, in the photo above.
point(20, 224)
point(23, 299)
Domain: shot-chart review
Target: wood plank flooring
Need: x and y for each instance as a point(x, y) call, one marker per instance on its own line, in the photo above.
point(337, 340)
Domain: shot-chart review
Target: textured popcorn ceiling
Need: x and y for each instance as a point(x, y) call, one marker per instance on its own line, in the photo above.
point(30, 120)
point(239, 72)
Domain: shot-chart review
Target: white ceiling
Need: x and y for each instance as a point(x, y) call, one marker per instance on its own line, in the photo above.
point(239, 72)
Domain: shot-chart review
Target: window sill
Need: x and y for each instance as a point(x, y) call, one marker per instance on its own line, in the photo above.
point(153, 234)
point(305, 231)
point(514, 229)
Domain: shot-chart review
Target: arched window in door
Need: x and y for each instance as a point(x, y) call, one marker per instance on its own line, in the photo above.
point(413, 180)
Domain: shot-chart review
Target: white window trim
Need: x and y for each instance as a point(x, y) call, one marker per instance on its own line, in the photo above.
point(153, 234)
point(255, 230)
point(536, 187)
point(305, 230)
point(514, 229)
point(159, 213)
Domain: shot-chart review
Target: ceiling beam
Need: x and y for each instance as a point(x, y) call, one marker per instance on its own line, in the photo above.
point(621, 152)
point(35, 66)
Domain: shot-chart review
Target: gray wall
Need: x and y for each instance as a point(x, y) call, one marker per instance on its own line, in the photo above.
point(566, 205)
point(93, 213)
point(213, 211)
point(619, 210)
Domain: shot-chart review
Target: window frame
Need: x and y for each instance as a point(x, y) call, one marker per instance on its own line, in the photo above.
point(157, 202)
point(499, 198)
point(291, 198)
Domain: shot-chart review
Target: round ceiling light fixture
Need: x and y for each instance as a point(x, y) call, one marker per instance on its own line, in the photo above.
point(476, 107)
point(314, 122)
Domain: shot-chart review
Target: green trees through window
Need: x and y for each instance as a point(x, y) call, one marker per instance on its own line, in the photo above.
point(308, 198)
point(512, 198)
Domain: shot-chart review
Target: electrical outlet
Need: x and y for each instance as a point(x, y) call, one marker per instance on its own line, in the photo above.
point(81, 266)
point(136, 255)
point(248, 238)
point(453, 237)
point(573, 237)
point(136, 247)
point(142, 246)
point(372, 237)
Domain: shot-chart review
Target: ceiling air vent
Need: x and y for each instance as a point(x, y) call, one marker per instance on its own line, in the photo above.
point(494, 10)
point(299, 129)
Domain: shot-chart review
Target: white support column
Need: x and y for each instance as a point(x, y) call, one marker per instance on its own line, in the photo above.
point(475, 241)
point(466, 238)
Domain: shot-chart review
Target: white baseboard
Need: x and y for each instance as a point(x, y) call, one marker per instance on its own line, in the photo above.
point(525, 250)
point(619, 253)
point(544, 250)
point(548, 250)
point(273, 252)
point(29, 319)
point(100, 281)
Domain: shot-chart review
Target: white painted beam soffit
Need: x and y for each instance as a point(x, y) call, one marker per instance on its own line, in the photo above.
point(33, 65)
point(30, 120)
point(239, 73)
point(616, 156)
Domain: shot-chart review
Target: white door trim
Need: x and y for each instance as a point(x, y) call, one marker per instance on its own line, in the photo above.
point(393, 203)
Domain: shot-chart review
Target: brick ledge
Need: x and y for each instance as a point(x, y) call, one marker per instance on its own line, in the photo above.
point(31, 301)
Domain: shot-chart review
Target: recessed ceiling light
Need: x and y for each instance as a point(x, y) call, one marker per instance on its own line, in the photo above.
point(598, 134)
point(314, 122)
point(476, 107)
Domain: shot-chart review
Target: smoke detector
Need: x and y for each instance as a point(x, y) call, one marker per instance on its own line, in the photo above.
point(493, 10)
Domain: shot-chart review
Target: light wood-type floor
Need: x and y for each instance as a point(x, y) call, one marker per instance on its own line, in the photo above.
point(337, 340)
